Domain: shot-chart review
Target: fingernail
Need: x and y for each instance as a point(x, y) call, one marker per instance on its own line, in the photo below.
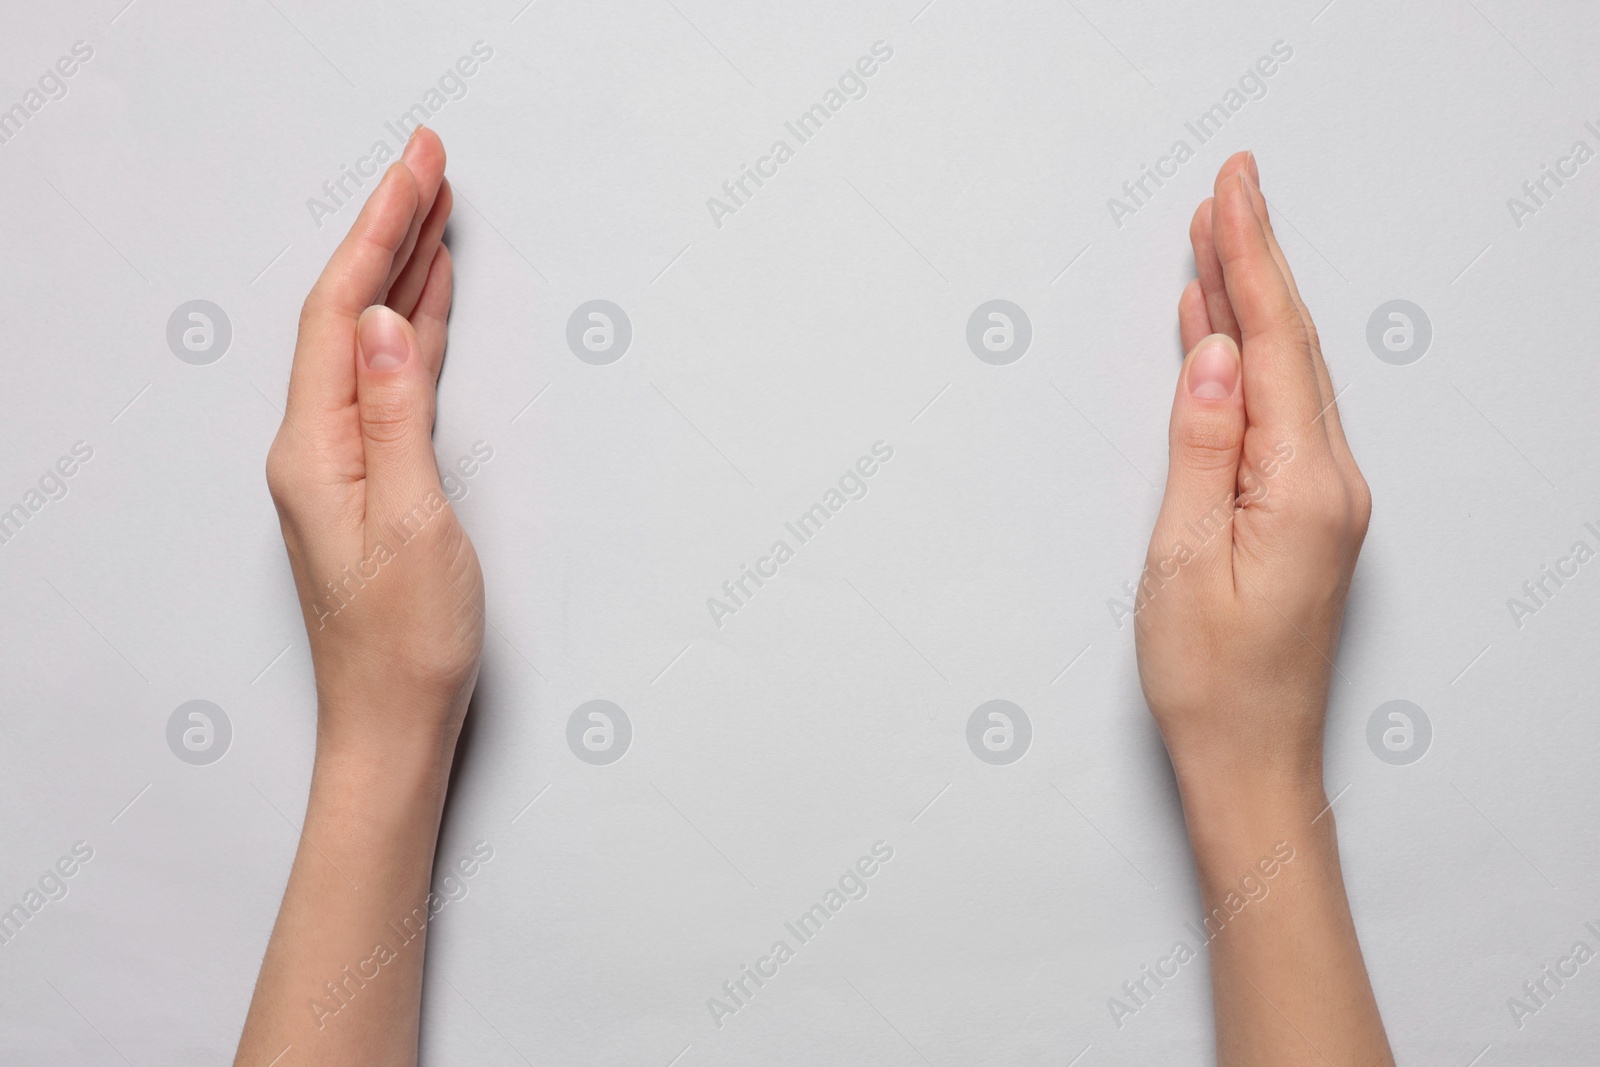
point(1252, 168)
point(381, 339)
point(1214, 368)
point(411, 147)
point(1248, 187)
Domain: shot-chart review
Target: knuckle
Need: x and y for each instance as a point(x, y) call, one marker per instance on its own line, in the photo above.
point(1207, 443)
point(311, 309)
point(1312, 337)
point(388, 416)
point(1285, 325)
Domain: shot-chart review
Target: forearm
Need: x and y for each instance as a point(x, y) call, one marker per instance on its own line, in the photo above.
point(342, 978)
point(1288, 980)
point(392, 596)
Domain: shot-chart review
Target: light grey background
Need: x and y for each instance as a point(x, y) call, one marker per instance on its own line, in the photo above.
point(768, 354)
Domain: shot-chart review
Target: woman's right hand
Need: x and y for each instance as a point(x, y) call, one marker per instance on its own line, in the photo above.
point(389, 583)
point(1240, 603)
point(1237, 626)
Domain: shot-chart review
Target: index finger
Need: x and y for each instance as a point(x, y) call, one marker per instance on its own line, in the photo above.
point(1280, 382)
point(324, 372)
point(1328, 396)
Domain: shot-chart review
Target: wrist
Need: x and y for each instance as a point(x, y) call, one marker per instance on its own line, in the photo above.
point(366, 811)
point(379, 749)
point(1234, 820)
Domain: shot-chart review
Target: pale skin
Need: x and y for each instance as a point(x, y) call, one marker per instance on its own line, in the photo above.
point(1237, 636)
point(395, 649)
point(1235, 648)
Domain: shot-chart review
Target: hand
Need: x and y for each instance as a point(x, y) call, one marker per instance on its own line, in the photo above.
point(1239, 608)
point(389, 582)
point(1237, 625)
point(393, 600)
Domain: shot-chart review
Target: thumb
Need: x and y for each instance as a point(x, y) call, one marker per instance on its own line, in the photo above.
point(1206, 437)
point(395, 394)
